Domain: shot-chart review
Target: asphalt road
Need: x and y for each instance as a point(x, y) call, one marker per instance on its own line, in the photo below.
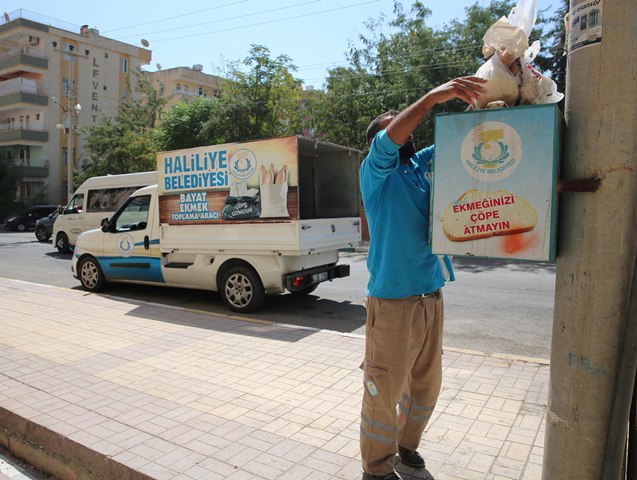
point(495, 306)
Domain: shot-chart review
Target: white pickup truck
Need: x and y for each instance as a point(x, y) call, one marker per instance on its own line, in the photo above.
point(243, 219)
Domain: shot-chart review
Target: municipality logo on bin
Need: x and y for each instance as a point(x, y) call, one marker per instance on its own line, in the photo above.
point(491, 151)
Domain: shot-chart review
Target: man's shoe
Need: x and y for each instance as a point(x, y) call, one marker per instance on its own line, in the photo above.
point(390, 476)
point(411, 458)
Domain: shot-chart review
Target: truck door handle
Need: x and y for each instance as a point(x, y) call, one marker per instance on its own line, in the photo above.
point(146, 242)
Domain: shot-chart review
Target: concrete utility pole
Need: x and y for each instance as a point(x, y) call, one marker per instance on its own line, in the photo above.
point(596, 245)
point(71, 110)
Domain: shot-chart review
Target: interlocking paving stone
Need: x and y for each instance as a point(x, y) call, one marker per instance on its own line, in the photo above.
point(154, 392)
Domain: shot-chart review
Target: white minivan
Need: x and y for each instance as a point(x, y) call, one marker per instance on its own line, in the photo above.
point(96, 198)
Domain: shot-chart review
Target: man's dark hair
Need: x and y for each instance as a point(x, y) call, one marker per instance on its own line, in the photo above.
point(374, 126)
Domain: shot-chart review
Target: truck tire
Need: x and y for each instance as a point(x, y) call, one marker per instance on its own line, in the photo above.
point(242, 290)
point(90, 274)
point(62, 243)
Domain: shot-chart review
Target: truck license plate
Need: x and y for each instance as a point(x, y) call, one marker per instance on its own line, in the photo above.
point(319, 277)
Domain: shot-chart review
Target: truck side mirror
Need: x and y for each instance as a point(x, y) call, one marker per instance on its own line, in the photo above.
point(104, 224)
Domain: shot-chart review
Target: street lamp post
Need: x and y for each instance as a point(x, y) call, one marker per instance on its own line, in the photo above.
point(72, 108)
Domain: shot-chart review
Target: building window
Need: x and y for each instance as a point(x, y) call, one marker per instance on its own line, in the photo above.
point(124, 65)
point(205, 93)
point(68, 47)
point(178, 88)
point(25, 156)
point(186, 89)
point(65, 88)
point(161, 88)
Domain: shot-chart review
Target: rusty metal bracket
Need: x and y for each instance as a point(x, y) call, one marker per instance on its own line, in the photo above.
point(581, 185)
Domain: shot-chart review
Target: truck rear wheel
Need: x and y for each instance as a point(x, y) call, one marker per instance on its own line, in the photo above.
point(242, 290)
point(91, 275)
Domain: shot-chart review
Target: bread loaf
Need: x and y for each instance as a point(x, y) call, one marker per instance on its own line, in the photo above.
point(478, 214)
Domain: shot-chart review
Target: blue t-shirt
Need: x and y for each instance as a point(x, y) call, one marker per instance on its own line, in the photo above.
point(396, 199)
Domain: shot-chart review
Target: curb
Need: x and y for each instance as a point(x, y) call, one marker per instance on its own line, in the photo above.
point(58, 455)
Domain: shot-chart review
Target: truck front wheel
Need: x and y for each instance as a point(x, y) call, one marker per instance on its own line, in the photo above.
point(91, 276)
point(242, 290)
point(62, 243)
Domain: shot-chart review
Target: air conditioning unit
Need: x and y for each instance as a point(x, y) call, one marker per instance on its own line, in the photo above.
point(33, 40)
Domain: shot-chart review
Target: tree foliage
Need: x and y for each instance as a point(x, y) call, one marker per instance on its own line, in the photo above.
point(391, 65)
point(392, 70)
point(263, 94)
point(552, 57)
point(186, 124)
point(259, 99)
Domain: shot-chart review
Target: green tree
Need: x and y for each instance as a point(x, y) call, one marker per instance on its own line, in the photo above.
point(552, 57)
point(187, 124)
point(340, 114)
point(127, 142)
point(259, 99)
point(391, 70)
point(262, 101)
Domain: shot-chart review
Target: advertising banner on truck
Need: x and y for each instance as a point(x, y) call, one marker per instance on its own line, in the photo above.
point(233, 182)
point(495, 183)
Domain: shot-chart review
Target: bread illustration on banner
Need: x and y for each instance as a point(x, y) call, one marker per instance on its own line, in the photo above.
point(478, 214)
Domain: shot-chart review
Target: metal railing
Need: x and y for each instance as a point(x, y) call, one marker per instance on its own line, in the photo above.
point(36, 17)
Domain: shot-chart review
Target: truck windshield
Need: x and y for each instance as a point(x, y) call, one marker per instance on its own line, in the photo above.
point(134, 216)
point(76, 204)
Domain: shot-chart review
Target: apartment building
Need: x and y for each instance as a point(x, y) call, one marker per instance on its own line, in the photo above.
point(183, 83)
point(55, 78)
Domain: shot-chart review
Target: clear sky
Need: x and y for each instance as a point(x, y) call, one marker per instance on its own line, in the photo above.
point(314, 33)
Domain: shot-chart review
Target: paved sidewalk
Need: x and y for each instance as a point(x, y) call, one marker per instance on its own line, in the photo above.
point(125, 389)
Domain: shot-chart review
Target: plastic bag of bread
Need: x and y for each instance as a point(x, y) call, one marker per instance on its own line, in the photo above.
point(511, 34)
point(501, 84)
point(536, 88)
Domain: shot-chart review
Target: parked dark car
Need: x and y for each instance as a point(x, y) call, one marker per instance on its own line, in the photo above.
point(44, 227)
point(27, 219)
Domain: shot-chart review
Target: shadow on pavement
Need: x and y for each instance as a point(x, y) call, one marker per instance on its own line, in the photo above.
point(307, 311)
point(478, 265)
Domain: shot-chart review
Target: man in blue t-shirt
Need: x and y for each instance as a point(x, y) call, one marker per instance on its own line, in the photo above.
point(403, 340)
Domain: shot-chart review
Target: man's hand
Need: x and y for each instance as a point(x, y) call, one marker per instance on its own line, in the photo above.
point(401, 126)
point(467, 89)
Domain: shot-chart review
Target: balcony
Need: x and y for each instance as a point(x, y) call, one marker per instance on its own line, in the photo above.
point(23, 60)
point(22, 91)
point(19, 134)
point(23, 171)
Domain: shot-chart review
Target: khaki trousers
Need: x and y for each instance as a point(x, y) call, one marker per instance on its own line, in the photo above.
point(402, 367)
